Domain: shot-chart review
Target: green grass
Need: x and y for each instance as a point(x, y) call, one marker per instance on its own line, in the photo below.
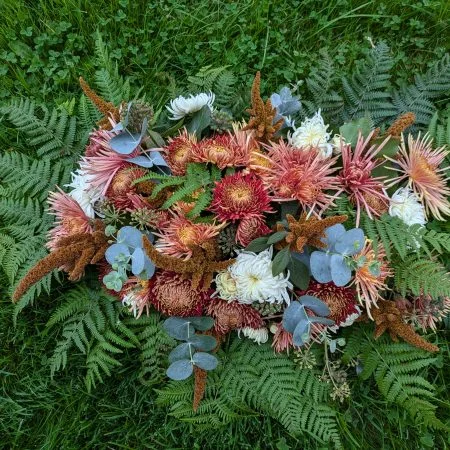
point(44, 46)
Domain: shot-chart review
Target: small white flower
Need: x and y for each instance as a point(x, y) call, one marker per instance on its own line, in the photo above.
point(131, 301)
point(337, 142)
point(254, 280)
point(312, 132)
point(259, 335)
point(405, 205)
point(83, 193)
point(225, 286)
point(182, 106)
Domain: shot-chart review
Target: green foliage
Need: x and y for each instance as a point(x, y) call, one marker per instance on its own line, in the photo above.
point(253, 377)
point(439, 128)
point(399, 370)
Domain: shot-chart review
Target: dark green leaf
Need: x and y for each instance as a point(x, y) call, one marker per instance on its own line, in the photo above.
point(281, 261)
point(258, 244)
point(277, 237)
point(299, 273)
point(200, 120)
point(350, 131)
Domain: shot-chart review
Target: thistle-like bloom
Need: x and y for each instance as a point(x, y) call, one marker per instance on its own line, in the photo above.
point(254, 280)
point(182, 106)
point(424, 312)
point(406, 206)
point(121, 189)
point(70, 217)
point(173, 295)
point(251, 228)
point(355, 178)
point(300, 175)
point(83, 192)
point(312, 133)
point(230, 316)
point(370, 275)
point(221, 150)
point(178, 152)
point(419, 164)
point(181, 235)
point(340, 300)
point(240, 196)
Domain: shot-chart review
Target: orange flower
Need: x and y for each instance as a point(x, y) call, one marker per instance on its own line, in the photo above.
point(178, 152)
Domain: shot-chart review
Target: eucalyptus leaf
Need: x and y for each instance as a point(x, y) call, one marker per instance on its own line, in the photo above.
point(341, 273)
point(332, 234)
point(201, 323)
point(149, 269)
point(351, 242)
point(182, 351)
point(156, 138)
point(316, 305)
point(137, 261)
point(180, 370)
point(320, 266)
point(322, 320)
point(179, 328)
point(281, 261)
point(205, 361)
point(292, 315)
point(203, 342)
point(114, 251)
point(142, 161)
point(299, 273)
point(277, 237)
point(301, 333)
point(130, 236)
point(125, 142)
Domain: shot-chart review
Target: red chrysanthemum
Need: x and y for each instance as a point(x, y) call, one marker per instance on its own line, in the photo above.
point(121, 187)
point(355, 178)
point(251, 228)
point(341, 301)
point(300, 174)
point(240, 196)
point(70, 218)
point(173, 296)
point(419, 164)
point(230, 316)
point(178, 152)
point(221, 150)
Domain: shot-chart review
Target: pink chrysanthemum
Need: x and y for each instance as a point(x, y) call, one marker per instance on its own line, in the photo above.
point(282, 340)
point(230, 316)
point(221, 150)
point(173, 296)
point(300, 174)
point(181, 235)
point(240, 196)
point(98, 141)
point(251, 228)
point(355, 178)
point(178, 152)
point(419, 164)
point(70, 218)
point(423, 311)
point(370, 275)
point(136, 296)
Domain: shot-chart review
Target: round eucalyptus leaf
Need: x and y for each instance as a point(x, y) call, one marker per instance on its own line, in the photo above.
point(341, 273)
point(149, 269)
point(180, 370)
point(292, 315)
point(316, 305)
point(179, 328)
point(332, 235)
point(205, 361)
point(201, 323)
point(351, 242)
point(320, 266)
point(137, 261)
point(130, 236)
point(125, 142)
point(301, 333)
point(203, 342)
point(182, 351)
point(114, 251)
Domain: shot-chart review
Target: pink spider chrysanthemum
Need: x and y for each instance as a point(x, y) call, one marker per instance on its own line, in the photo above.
point(178, 152)
point(419, 164)
point(70, 218)
point(181, 235)
point(355, 178)
point(371, 273)
point(300, 174)
point(221, 150)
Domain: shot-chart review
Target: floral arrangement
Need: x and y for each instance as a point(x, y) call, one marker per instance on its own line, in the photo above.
point(270, 227)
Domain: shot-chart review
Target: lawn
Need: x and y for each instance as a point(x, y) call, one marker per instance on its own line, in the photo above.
point(160, 46)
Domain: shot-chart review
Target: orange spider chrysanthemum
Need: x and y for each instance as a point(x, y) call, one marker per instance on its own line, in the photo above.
point(419, 164)
point(181, 235)
point(300, 174)
point(370, 275)
point(221, 150)
point(70, 218)
point(178, 152)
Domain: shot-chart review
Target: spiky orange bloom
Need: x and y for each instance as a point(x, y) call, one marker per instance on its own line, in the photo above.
point(301, 174)
point(230, 316)
point(355, 178)
point(178, 152)
point(221, 150)
point(70, 218)
point(240, 196)
point(370, 275)
point(122, 186)
point(174, 296)
point(181, 235)
point(340, 300)
point(419, 164)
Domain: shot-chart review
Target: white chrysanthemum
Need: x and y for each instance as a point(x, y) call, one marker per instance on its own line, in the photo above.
point(337, 142)
point(405, 205)
point(182, 106)
point(258, 335)
point(131, 301)
point(254, 280)
point(349, 320)
point(225, 286)
point(83, 193)
point(312, 132)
